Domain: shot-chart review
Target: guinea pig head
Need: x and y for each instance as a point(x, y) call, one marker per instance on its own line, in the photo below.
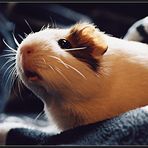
point(62, 62)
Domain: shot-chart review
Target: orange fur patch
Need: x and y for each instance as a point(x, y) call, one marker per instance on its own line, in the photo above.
point(86, 35)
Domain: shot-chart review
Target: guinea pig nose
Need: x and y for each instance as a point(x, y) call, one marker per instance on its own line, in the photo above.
point(27, 51)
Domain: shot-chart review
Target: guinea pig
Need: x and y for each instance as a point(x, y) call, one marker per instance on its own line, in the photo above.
point(82, 74)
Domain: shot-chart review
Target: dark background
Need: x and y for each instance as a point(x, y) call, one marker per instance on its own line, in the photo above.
point(112, 18)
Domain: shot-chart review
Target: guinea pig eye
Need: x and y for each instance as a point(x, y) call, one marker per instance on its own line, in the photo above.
point(64, 44)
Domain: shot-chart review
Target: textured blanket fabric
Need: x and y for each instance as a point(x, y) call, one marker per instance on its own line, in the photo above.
point(131, 128)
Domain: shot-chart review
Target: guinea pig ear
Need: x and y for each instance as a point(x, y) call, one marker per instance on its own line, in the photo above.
point(87, 35)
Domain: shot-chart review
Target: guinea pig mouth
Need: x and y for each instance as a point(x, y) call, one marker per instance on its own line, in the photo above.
point(32, 76)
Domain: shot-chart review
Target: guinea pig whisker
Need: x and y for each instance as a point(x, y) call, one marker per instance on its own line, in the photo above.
point(8, 61)
point(10, 74)
point(11, 77)
point(39, 115)
point(13, 82)
point(61, 61)
point(53, 23)
point(40, 65)
point(25, 34)
point(8, 68)
point(71, 49)
point(21, 83)
point(20, 36)
point(19, 88)
point(15, 40)
point(43, 115)
point(9, 46)
point(52, 85)
point(44, 61)
point(43, 65)
point(48, 65)
point(40, 62)
point(18, 81)
point(14, 75)
point(10, 51)
point(42, 28)
point(29, 26)
point(8, 55)
point(12, 58)
point(59, 71)
point(14, 78)
point(68, 66)
point(51, 67)
point(76, 71)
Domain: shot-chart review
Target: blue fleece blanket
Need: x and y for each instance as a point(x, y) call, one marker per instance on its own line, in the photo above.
point(130, 128)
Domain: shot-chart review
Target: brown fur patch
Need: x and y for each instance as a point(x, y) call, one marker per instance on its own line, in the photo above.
point(86, 35)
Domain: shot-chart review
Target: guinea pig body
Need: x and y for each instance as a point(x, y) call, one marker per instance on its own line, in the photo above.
point(83, 75)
